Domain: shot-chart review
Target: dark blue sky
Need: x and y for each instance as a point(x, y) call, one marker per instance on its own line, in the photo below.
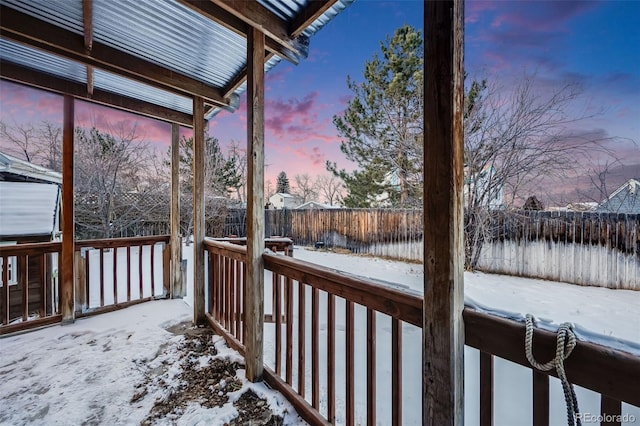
point(592, 44)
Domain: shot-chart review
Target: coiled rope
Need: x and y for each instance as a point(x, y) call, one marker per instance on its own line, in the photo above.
point(565, 342)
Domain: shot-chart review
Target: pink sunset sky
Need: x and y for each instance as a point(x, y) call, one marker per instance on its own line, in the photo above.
point(591, 43)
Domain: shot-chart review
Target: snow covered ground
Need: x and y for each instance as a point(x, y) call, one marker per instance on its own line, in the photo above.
point(86, 373)
point(89, 372)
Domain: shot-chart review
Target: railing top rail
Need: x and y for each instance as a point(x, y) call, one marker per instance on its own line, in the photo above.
point(600, 368)
point(30, 248)
point(224, 245)
point(403, 306)
point(122, 242)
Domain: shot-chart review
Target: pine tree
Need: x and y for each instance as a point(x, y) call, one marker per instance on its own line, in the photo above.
point(382, 126)
point(282, 185)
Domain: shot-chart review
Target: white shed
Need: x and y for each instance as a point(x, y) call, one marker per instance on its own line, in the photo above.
point(282, 200)
point(29, 201)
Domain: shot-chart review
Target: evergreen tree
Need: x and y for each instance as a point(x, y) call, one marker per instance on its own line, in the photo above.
point(221, 173)
point(382, 126)
point(282, 185)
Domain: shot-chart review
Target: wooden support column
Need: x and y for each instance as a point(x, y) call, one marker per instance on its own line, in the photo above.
point(443, 327)
point(198, 211)
point(67, 272)
point(177, 289)
point(254, 295)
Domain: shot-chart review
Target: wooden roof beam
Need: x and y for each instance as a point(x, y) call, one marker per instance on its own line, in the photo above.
point(34, 32)
point(257, 16)
point(87, 24)
point(305, 18)
point(30, 77)
point(308, 15)
point(228, 20)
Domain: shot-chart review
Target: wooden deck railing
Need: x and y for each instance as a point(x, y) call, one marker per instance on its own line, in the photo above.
point(114, 273)
point(31, 297)
point(317, 317)
point(110, 274)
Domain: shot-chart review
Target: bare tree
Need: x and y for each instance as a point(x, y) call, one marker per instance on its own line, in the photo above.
point(113, 192)
point(305, 187)
point(516, 140)
point(239, 156)
point(20, 140)
point(330, 188)
point(50, 145)
point(39, 144)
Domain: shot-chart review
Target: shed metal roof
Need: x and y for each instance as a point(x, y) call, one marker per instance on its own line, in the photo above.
point(159, 53)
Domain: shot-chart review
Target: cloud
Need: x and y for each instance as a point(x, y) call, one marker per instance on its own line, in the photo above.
point(291, 116)
point(316, 156)
point(511, 34)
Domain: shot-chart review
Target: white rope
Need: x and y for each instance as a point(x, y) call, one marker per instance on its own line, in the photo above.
point(565, 343)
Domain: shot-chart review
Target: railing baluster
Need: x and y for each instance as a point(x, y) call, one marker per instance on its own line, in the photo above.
point(230, 286)
point(238, 284)
point(301, 338)
point(5, 289)
point(289, 331)
point(540, 398)
point(211, 283)
point(101, 277)
point(396, 372)
point(115, 275)
point(43, 284)
point(276, 283)
point(128, 274)
point(140, 296)
point(153, 275)
point(315, 351)
point(217, 292)
point(611, 410)
point(244, 299)
point(23, 261)
point(87, 282)
point(227, 289)
point(350, 348)
point(371, 367)
point(486, 389)
point(331, 358)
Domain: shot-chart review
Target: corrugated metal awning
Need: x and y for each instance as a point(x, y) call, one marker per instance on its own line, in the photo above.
point(151, 56)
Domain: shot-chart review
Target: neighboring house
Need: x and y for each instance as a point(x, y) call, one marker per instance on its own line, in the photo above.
point(489, 192)
point(315, 205)
point(281, 200)
point(625, 199)
point(29, 213)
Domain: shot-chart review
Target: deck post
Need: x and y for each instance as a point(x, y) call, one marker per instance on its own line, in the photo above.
point(67, 270)
point(176, 287)
point(254, 296)
point(443, 327)
point(198, 211)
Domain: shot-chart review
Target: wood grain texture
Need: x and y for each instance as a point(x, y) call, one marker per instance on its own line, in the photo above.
point(443, 335)
point(198, 210)
point(254, 313)
point(177, 289)
point(67, 274)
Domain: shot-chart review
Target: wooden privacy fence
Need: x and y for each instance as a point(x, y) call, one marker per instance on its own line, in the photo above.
point(600, 249)
point(110, 274)
point(329, 335)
